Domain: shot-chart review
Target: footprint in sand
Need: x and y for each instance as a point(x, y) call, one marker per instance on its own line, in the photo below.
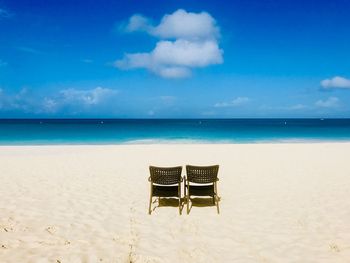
point(194, 254)
point(302, 224)
point(334, 247)
point(51, 230)
point(8, 229)
point(134, 235)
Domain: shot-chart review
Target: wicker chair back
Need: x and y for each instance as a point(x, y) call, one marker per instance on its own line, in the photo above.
point(202, 174)
point(165, 175)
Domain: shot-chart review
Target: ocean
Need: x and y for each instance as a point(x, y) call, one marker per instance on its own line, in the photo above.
point(149, 131)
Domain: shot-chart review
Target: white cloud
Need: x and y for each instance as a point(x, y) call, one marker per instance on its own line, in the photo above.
point(239, 101)
point(331, 102)
point(138, 23)
point(194, 44)
point(180, 24)
point(173, 72)
point(186, 25)
point(187, 53)
point(174, 59)
point(137, 60)
point(336, 82)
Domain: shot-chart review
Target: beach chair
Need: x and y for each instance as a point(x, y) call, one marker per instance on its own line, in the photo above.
point(202, 181)
point(165, 182)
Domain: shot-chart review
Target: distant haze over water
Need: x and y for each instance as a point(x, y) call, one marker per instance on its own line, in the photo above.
point(150, 131)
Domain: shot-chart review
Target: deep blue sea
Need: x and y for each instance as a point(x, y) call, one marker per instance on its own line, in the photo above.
point(147, 131)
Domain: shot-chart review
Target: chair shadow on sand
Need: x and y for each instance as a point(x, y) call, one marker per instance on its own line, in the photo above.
point(200, 202)
point(173, 202)
point(168, 202)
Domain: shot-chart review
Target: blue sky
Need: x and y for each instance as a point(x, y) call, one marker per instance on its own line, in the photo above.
point(174, 59)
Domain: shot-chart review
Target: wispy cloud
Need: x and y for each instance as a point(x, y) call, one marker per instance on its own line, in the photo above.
point(49, 105)
point(239, 101)
point(188, 40)
point(30, 50)
point(336, 83)
point(138, 22)
point(151, 113)
point(86, 97)
point(1, 98)
point(76, 100)
point(3, 63)
point(297, 107)
point(289, 108)
point(20, 101)
point(331, 102)
point(168, 99)
point(88, 61)
point(5, 13)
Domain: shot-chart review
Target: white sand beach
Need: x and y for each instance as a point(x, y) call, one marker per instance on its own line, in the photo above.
point(280, 202)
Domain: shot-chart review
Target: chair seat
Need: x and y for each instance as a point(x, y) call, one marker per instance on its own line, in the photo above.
point(165, 191)
point(201, 190)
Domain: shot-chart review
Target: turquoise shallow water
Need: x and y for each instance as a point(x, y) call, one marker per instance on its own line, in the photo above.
point(126, 131)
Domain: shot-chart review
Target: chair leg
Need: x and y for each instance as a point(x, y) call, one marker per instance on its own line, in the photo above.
point(217, 198)
point(217, 204)
point(150, 200)
point(214, 193)
point(150, 204)
point(185, 195)
point(179, 205)
point(188, 198)
point(179, 193)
